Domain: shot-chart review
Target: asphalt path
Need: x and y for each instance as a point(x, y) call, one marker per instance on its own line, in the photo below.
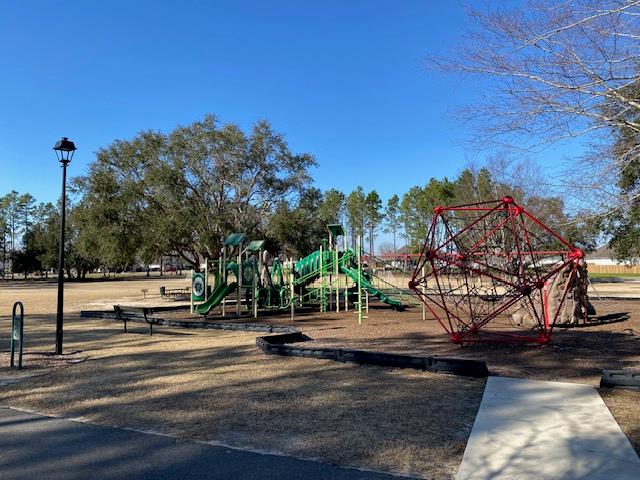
point(45, 448)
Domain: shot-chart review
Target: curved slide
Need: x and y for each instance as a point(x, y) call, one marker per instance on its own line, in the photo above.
point(216, 298)
point(368, 286)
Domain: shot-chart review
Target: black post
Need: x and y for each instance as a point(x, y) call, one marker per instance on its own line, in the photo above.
point(59, 320)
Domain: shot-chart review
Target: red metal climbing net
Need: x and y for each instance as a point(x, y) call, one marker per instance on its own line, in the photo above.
point(485, 264)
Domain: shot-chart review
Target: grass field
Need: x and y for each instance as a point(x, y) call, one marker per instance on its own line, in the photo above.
point(631, 276)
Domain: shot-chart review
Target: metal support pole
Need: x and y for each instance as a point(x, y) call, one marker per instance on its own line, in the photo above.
point(424, 290)
point(359, 254)
point(239, 300)
point(337, 278)
point(224, 274)
point(191, 289)
point(206, 278)
point(291, 277)
point(322, 292)
point(63, 208)
point(346, 283)
point(255, 286)
point(366, 302)
point(302, 288)
point(330, 272)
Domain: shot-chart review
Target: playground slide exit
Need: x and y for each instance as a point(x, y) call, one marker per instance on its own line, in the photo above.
point(368, 286)
point(216, 298)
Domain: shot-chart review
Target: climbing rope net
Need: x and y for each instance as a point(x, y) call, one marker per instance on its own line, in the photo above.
point(491, 271)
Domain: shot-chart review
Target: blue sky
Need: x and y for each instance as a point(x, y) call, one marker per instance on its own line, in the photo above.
point(344, 80)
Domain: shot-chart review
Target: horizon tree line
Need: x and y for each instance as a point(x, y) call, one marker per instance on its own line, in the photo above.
point(180, 194)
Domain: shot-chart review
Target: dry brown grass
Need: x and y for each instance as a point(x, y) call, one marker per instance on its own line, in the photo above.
point(625, 406)
point(217, 386)
point(39, 296)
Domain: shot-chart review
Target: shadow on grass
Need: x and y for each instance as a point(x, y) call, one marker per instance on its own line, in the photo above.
point(218, 386)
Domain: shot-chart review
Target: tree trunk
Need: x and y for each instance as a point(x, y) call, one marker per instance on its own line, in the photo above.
point(395, 250)
point(4, 255)
point(371, 230)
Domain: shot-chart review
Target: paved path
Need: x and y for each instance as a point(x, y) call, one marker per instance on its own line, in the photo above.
point(38, 447)
point(530, 429)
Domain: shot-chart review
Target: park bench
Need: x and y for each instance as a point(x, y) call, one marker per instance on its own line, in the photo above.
point(127, 313)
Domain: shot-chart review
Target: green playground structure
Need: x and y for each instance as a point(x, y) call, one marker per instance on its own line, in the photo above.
point(326, 278)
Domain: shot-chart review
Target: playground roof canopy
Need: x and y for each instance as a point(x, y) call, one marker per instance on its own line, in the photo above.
point(255, 245)
point(336, 229)
point(235, 239)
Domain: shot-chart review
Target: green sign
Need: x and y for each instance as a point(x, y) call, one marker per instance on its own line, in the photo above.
point(247, 274)
point(198, 288)
point(17, 328)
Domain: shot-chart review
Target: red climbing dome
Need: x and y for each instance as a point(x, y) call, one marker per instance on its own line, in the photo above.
point(491, 271)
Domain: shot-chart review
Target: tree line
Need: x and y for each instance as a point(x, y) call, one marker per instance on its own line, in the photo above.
point(180, 194)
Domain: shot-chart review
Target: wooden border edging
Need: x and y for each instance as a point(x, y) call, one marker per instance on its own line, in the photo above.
point(277, 345)
point(620, 378)
point(242, 327)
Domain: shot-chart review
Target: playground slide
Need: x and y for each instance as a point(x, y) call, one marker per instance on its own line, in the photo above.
point(308, 268)
point(216, 297)
point(368, 286)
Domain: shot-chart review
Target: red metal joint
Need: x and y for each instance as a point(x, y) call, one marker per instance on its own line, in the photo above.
point(576, 253)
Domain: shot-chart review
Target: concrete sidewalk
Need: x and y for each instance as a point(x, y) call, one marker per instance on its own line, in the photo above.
point(530, 429)
point(39, 447)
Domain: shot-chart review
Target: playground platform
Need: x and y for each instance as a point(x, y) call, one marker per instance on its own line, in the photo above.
point(532, 429)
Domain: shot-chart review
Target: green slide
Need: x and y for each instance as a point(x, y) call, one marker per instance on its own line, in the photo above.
point(308, 268)
point(216, 297)
point(368, 286)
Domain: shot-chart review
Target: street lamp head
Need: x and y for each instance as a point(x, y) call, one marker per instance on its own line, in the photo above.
point(64, 150)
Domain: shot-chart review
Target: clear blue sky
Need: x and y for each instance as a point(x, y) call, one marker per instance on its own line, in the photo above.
point(344, 80)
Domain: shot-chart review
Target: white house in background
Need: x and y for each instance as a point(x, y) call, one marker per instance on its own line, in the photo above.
point(605, 256)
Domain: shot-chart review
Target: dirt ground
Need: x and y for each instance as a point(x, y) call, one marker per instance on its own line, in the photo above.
point(216, 386)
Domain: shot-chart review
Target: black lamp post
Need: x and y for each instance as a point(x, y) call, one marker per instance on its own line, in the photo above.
point(64, 151)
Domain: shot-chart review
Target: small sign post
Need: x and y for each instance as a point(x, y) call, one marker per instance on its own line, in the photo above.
point(17, 331)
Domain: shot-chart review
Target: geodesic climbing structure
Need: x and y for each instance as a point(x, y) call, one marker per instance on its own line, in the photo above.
point(493, 272)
